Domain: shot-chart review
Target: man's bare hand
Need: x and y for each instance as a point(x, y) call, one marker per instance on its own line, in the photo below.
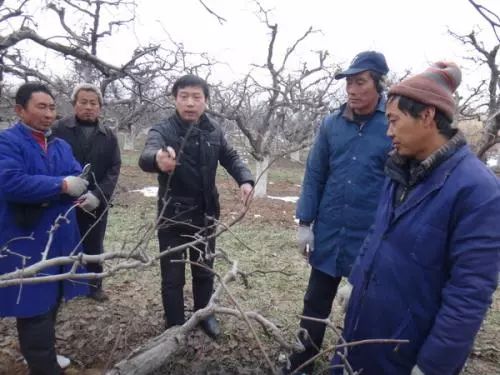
point(165, 159)
point(246, 193)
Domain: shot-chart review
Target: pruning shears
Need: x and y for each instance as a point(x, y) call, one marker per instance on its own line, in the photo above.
point(86, 171)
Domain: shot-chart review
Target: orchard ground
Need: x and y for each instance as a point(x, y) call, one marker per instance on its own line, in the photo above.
point(96, 335)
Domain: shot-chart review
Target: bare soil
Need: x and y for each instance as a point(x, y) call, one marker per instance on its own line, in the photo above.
point(96, 335)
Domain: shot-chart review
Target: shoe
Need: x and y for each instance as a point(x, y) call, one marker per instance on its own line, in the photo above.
point(99, 295)
point(63, 361)
point(211, 327)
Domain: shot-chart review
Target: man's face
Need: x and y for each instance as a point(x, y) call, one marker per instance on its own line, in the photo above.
point(39, 113)
point(411, 137)
point(87, 107)
point(190, 103)
point(362, 96)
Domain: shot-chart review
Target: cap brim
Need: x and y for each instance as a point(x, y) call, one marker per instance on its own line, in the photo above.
point(349, 72)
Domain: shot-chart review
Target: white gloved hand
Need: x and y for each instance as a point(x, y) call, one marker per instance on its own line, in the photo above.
point(74, 185)
point(89, 202)
point(305, 239)
point(416, 371)
point(343, 295)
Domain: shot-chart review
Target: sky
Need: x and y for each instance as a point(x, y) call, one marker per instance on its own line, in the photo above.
point(411, 34)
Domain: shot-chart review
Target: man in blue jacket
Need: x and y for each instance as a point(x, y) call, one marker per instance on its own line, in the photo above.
point(38, 182)
point(340, 191)
point(428, 270)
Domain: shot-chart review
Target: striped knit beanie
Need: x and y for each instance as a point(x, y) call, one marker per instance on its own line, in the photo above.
point(434, 87)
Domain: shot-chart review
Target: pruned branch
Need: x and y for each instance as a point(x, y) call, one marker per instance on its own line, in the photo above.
point(491, 17)
point(220, 19)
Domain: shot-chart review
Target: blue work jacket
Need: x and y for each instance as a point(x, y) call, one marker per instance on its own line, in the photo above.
point(427, 272)
point(30, 202)
point(341, 187)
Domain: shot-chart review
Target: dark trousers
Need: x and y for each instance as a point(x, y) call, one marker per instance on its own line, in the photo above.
point(93, 244)
point(318, 300)
point(173, 274)
point(37, 339)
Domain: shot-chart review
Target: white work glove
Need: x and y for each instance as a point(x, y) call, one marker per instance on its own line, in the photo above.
point(416, 371)
point(89, 202)
point(305, 240)
point(74, 186)
point(343, 295)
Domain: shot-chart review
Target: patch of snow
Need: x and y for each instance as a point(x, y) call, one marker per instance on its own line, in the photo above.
point(257, 216)
point(492, 162)
point(286, 199)
point(148, 191)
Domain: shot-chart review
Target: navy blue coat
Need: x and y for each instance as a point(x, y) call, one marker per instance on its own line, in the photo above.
point(341, 187)
point(428, 271)
point(29, 177)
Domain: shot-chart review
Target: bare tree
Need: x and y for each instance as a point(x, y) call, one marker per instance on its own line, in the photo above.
point(278, 114)
point(483, 100)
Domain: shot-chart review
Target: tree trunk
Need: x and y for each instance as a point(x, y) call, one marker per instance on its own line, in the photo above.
point(490, 135)
point(295, 156)
point(261, 175)
point(128, 141)
point(153, 354)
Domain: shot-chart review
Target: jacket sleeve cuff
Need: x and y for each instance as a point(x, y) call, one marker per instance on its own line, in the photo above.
point(251, 182)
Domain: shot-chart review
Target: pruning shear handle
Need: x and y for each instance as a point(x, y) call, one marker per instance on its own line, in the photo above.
point(86, 171)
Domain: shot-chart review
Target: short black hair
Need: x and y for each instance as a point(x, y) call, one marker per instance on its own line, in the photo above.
point(23, 94)
point(190, 80)
point(414, 108)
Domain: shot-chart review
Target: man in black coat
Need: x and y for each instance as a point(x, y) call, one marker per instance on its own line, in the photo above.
point(97, 145)
point(185, 150)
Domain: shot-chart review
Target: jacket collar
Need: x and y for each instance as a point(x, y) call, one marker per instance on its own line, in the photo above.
point(28, 130)
point(434, 180)
point(409, 172)
point(204, 125)
point(347, 112)
point(71, 122)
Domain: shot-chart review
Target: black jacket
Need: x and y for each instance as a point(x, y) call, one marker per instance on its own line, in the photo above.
point(192, 192)
point(102, 152)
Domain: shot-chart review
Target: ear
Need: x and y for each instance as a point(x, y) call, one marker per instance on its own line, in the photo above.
point(19, 110)
point(428, 116)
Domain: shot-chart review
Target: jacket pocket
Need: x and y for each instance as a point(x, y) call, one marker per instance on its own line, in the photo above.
point(182, 210)
point(406, 354)
point(429, 248)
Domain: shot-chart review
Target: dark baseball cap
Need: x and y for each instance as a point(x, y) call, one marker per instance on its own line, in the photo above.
point(367, 60)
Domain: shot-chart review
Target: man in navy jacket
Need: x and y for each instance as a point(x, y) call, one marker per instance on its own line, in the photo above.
point(341, 187)
point(428, 270)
